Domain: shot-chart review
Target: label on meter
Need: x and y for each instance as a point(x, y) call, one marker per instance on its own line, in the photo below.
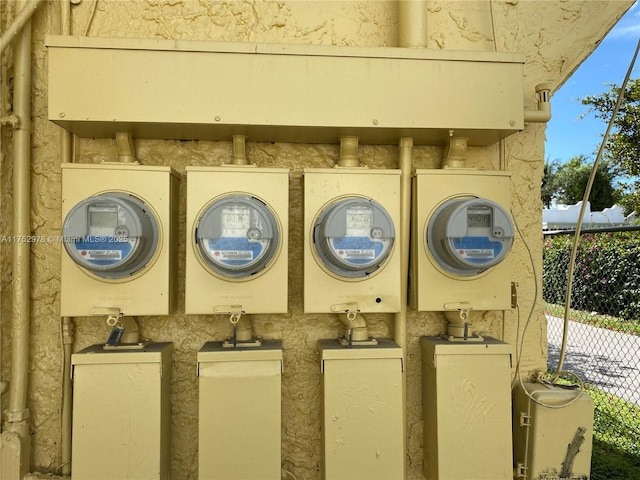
point(353, 236)
point(100, 255)
point(478, 249)
point(237, 236)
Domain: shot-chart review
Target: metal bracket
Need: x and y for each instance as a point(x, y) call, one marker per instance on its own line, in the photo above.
point(521, 470)
point(230, 309)
point(514, 295)
point(464, 310)
point(350, 308)
point(345, 342)
point(458, 306)
point(110, 312)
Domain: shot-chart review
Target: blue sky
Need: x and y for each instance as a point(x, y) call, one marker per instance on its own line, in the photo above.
point(569, 135)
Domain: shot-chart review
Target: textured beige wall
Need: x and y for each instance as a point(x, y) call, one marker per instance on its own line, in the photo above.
point(554, 36)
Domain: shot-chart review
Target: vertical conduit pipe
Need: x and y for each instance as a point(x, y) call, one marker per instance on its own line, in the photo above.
point(66, 156)
point(405, 157)
point(400, 324)
point(412, 33)
point(412, 23)
point(17, 415)
point(349, 152)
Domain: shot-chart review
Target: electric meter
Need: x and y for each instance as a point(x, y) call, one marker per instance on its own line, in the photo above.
point(237, 236)
point(353, 236)
point(467, 236)
point(112, 235)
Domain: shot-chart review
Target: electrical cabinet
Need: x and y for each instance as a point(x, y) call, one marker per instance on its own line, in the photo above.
point(351, 249)
point(239, 427)
point(121, 413)
point(466, 401)
point(237, 239)
point(362, 420)
point(298, 98)
point(552, 432)
point(118, 237)
point(462, 233)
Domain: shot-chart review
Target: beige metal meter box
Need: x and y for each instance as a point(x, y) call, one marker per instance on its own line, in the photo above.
point(351, 249)
point(362, 404)
point(239, 426)
point(461, 234)
point(173, 88)
point(237, 239)
point(552, 432)
point(466, 401)
point(121, 413)
point(118, 239)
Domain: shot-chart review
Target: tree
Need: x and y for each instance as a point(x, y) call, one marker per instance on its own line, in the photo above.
point(569, 181)
point(622, 150)
point(549, 188)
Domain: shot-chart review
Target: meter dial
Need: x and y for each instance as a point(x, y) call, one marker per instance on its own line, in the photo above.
point(467, 236)
point(353, 237)
point(112, 235)
point(237, 236)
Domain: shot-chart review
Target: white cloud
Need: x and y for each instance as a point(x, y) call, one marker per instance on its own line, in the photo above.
point(626, 31)
point(629, 26)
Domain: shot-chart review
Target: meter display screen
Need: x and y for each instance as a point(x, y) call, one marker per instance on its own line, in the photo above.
point(359, 221)
point(104, 219)
point(236, 220)
point(353, 237)
point(237, 236)
point(479, 217)
point(112, 235)
point(467, 236)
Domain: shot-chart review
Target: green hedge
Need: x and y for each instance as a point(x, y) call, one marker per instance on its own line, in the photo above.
point(606, 275)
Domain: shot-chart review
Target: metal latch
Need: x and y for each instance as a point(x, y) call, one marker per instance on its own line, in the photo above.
point(110, 312)
point(350, 308)
point(525, 420)
point(521, 470)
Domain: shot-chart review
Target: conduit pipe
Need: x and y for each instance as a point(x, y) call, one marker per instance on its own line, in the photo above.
point(67, 406)
point(349, 152)
point(455, 153)
point(126, 151)
point(17, 414)
point(412, 23)
point(404, 162)
point(543, 113)
point(412, 33)
point(18, 23)
point(66, 156)
point(400, 323)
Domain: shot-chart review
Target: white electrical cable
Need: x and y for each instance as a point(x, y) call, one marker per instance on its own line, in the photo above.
point(524, 330)
point(572, 259)
point(585, 199)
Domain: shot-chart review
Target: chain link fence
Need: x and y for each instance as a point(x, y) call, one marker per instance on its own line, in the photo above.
point(603, 342)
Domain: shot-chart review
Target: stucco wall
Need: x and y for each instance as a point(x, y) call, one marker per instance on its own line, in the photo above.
point(554, 36)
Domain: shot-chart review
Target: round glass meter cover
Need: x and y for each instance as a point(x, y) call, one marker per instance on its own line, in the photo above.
point(112, 235)
point(353, 236)
point(467, 236)
point(237, 236)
